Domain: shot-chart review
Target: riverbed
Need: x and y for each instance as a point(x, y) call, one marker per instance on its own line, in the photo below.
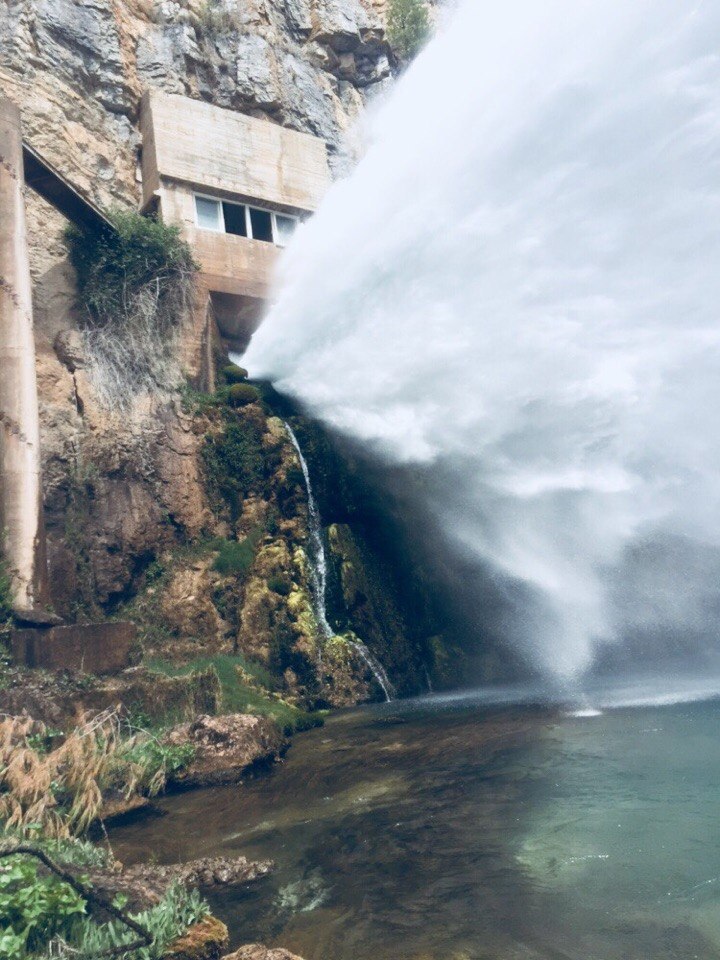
point(453, 829)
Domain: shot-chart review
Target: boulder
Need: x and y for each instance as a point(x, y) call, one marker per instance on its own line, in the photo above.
point(205, 940)
point(256, 951)
point(226, 747)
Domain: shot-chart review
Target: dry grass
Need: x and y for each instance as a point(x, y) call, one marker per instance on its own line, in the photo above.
point(60, 791)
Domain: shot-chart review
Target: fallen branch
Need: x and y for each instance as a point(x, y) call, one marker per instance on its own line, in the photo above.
point(145, 938)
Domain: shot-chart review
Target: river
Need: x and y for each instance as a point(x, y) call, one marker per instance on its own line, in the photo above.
point(449, 828)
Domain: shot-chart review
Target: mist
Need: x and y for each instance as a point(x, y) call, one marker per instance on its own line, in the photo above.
point(513, 300)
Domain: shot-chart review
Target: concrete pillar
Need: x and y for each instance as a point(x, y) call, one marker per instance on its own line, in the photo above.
point(20, 478)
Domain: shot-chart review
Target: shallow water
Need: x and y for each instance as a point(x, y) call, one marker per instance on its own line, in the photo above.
point(453, 830)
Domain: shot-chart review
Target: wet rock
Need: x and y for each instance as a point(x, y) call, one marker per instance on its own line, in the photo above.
point(145, 884)
point(226, 747)
point(205, 940)
point(256, 951)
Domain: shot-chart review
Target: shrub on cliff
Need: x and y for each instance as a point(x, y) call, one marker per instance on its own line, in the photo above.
point(234, 462)
point(135, 288)
point(241, 394)
point(408, 27)
point(234, 374)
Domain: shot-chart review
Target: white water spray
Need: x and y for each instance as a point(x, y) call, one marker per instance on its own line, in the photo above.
point(318, 575)
point(516, 294)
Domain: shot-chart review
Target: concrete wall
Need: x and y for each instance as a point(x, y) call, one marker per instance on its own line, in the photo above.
point(223, 151)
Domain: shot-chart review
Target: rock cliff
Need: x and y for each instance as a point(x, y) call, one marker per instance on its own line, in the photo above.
point(136, 522)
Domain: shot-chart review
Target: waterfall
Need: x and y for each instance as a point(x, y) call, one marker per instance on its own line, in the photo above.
point(318, 576)
point(318, 558)
point(513, 301)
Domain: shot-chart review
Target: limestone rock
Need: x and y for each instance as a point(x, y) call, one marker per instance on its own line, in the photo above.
point(205, 940)
point(256, 951)
point(69, 349)
point(227, 747)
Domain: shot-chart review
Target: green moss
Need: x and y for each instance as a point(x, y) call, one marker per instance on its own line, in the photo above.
point(236, 556)
point(279, 585)
point(241, 394)
point(232, 373)
point(244, 686)
point(234, 462)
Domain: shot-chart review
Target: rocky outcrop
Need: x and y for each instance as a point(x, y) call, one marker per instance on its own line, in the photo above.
point(256, 951)
point(145, 884)
point(226, 748)
point(205, 940)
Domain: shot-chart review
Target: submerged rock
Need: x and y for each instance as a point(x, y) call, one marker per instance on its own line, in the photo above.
point(226, 748)
point(256, 951)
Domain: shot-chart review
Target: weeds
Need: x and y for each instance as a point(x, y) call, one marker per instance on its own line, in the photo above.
point(246, 689)
point(60, 791)
point(135, 288)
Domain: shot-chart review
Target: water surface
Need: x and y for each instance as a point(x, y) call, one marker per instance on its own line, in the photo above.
point(459, 831)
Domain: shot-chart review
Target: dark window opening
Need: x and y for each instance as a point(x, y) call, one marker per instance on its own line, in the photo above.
point(261, 221)
point(235, 222)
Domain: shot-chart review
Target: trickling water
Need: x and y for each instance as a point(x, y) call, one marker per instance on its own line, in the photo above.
point(318, 575)
point(318, 559)
point(375, 667)
point(515, 299)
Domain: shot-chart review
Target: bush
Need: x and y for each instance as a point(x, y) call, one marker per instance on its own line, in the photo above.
point(234, 374)
point(214, 17)
point(236, 556)
point(135, 287)
point(234, 462)
point(34, 908)
point(240, 394)
point(408, 27)
point(279, 584)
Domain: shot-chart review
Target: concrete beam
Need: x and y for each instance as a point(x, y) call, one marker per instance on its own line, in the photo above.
point(21, 523)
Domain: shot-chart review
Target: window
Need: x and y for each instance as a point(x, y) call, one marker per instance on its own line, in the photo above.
point(235, 219)
point(209, 214)
point(284, 229)
point(261, 224)
point(243, 221)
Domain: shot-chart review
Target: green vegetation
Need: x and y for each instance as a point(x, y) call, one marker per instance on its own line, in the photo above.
point(236, 556)
point(234, 462)
point(279, 585)
point(135, 286)
point(167, 920)
point(34, 908)
point(245, 689)
point(60, 789)
point(43, 915)
point(408, 27)
point(232, 373)
point(241, 394)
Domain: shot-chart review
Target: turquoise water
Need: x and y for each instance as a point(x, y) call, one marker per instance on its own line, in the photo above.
point(454, 830)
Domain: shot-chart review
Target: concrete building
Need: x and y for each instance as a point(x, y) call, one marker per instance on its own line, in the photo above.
point(237, 187)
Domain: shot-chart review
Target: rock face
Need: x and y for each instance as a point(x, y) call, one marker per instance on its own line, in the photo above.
point(226, 748)
point(135, 526)
point(88, 647)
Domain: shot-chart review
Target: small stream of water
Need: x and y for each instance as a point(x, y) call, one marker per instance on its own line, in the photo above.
point(318, 575)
